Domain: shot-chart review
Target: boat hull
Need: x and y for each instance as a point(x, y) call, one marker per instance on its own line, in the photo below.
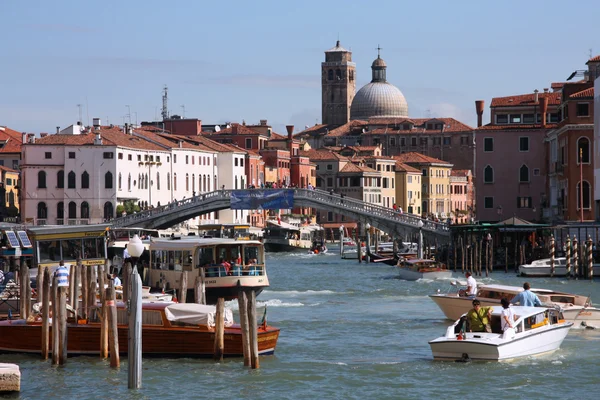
point(454, 306)
point(534, 271)
point(277, 246)
point(19, 337)
point(410, 275)
point(490, 347)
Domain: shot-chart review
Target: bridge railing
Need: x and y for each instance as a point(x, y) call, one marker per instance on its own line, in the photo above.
point(370, 209)
point(190, 202)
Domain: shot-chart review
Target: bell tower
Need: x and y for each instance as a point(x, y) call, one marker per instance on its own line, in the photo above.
point(338, 85)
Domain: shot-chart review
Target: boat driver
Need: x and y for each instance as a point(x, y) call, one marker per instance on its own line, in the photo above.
point(471, 290)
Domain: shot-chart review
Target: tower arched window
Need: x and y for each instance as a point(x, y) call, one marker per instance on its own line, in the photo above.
point(60, 210)
point(338, 74)
point(71, 180)
point(583, 150)
point(330, 75)
point(108, 180)
point(60, 179)
point(72, 210)
point(488, 174)
point(108, 210)
point(524, 173)
point(42, 210)
point(587, 200)
point(42, 180)
point(85, 210)
point(85, 180)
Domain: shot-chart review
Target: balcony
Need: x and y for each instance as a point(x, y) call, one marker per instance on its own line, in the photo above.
point(74, 221)
point(41, 222)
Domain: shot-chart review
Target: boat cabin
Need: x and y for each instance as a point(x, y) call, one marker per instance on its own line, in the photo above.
point(226, 231)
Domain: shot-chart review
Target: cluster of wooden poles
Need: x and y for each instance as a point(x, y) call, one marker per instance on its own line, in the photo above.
point(474, 256)
point(572, 256)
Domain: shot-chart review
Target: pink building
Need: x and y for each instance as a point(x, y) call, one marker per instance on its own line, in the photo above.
point(462, 196)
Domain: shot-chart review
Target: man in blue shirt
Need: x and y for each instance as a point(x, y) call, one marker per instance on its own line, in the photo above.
point(527, 298)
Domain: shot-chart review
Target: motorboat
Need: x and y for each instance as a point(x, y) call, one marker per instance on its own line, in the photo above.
point(419, 268)
point(576, 308)
point(289, 236)
point(537, 330)
point(168, 329)
point(542, 268)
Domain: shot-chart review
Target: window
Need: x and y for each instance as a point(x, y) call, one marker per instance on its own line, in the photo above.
point(392, 141)
point(129, 157)
point(409, 179)
point(524, 143)
point(488, 144)
point(524, 173)
point(158, 181)
point(175, 182)
point(248, 143)
point(524, 202)
point(488, 202)
point(85, 180)
point(583, 150)
point(71, 154)
point(329, 167)
point(71, 180)
point(187, 159)
point(60, 179)
point(402, 141)
point(515, 118)
point(586, 195)
point(108, 155)
point(72, 210)
point(174, 158)
point(330, 75)
point(502, 119)
point(536, 172)
point(108, 211)
point(447, 141)
point(488, 174)
point(235, 161)
point(108, 180)
point(85, 210)
point(242, 163)
point(424, 171)
point(329, 182)
point(120, 156)
point(42, 180)
point(47, 155)
point(60, 210)
point(553, 117)
point(168, 181)
point(187, 182)
point(42, 210)
point(413, 141)
point(528, 118)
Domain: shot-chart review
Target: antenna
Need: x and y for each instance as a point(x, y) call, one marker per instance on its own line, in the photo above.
point(80, 120)
point(183, 110)
point(591, 54)
point(128, 113)
point(165, 100)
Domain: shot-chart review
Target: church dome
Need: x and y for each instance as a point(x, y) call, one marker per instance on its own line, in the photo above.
point(378, 98)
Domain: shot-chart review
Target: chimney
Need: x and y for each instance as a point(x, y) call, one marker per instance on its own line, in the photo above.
point(263, 122)
point(543, 109)
point(43, 134)
point(57, 130)
point(98, 139)
point(126, 128)
point(96, 122)
point(24, 137)
point(31, 138)
point(479, 105)
point(535, 96)
point(181, 144)
point(290, 130)
point(234, 129)
point(546, 90)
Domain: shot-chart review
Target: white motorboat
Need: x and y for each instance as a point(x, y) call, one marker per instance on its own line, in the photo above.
point(417, 268)
point(537, 330)
point(542, 267)
point(576, 308)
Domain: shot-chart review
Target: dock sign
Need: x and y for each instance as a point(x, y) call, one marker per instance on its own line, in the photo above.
point(259, 199)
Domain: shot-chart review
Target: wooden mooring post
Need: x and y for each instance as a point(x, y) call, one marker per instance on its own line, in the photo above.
point(134, 347)
point(55, 324)
point(84, 290)
point(113, 332)
point(253, 327)
point(219, 330)
point(244, 326)
point(45, 313)
point(103, 314)
point(62, 324)
point(76, 281)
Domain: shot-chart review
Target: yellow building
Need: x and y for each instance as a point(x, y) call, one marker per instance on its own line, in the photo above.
point(435, 183)
point(408, 188)
point(385, 166)
point(9, 179)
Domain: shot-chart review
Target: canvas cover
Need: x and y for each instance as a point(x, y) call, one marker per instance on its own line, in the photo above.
point(196, 314)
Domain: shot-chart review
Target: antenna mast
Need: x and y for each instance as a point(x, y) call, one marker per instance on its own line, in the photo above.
point(165, 108)
point(80, 113)
point(183, 109)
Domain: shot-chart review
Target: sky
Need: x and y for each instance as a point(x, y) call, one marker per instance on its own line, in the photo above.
point(235, 61)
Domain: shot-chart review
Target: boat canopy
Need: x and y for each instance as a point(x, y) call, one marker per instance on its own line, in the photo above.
point(196, 314)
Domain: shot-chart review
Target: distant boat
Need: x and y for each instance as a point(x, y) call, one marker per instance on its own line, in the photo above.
point(283, 236)
point(542, 268)
point(418, 268)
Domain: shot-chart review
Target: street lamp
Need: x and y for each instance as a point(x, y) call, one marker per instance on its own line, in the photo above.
point(420, 225)
point(135, 247)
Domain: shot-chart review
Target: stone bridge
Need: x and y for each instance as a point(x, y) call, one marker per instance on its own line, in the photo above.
point(383, 218)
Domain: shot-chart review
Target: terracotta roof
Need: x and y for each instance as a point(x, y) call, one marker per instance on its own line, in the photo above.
point(594, 59)
point(406, 168)
point(351, 167)
point(525, 99)
point(322, 155)
point(353, 126)
point(395, 126)
point(418, 158)
point(13, 140)
point(557, 85)
point(511, 127)
point(206, 143)
point(390, 121)
point(460, 172)
point(166, 140)
point(6, 169)
point(315, 130)
point(240, 130)
point(587, 93)
point(111, 136)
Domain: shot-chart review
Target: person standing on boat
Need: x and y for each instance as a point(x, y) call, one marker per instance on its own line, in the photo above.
point(508, 315)
point(471, 290)
point(62, 275)
point(527, 298)
point(479, 317)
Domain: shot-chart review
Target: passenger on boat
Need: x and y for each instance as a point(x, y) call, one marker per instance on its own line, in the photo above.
point(508, 315)
point(117, 281)
point(479, 317)
point(527, 298)
point(471, 289)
